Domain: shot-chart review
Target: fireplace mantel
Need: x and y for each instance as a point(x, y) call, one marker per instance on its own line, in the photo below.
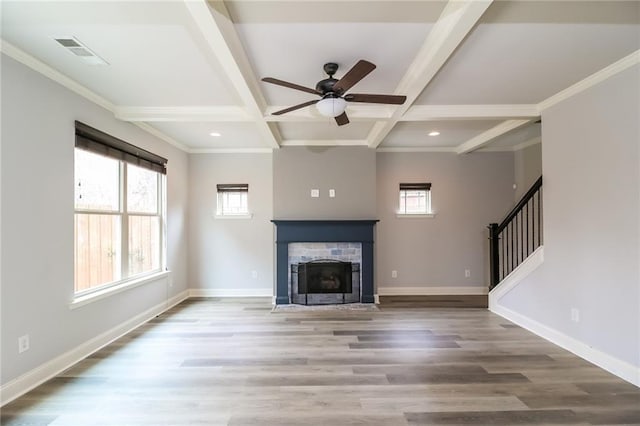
point(310, 231)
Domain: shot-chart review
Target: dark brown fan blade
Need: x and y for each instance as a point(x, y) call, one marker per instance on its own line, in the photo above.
point(291, 85)
point(295, 107)
point(354, 75)
point(342, 119)
point(375, 99)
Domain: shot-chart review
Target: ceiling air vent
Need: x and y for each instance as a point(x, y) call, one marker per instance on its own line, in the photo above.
point(78, 49)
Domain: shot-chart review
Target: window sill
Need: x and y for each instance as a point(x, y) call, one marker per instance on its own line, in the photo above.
point(118, 288)
point(233, 216)
point(415, 216)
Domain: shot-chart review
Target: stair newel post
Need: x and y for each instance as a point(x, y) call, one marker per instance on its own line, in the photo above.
point(494, 255)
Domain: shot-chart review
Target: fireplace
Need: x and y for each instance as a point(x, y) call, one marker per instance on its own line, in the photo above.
point(346, 240)
point(325, 281)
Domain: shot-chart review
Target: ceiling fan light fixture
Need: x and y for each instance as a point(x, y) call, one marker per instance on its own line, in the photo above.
point(331, 106)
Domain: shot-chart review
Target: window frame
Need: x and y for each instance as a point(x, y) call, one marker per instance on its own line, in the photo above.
point(403, 189)
point(125, 159)
point(223, 190)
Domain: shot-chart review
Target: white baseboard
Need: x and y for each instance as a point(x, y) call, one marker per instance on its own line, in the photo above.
point(431, 291)
point(231, 292)
point(44, 372)
point(620, 368)
point(178, 298)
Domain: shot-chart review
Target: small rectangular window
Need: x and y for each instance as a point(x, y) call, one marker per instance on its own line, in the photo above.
point(415, 198)
point(233, 200)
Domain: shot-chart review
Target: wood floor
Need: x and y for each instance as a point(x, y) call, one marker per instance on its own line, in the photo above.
point(234, 362)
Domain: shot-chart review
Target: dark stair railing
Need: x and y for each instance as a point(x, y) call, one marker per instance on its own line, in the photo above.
point(519, 234)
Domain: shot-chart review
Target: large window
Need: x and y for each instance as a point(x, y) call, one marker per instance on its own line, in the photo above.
point(119, 205)
point(415, 199)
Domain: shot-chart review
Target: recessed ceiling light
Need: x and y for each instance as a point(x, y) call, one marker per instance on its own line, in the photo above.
point(434, 133)
point(215, 134)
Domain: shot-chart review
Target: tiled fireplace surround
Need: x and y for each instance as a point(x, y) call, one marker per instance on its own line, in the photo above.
point(303, 240)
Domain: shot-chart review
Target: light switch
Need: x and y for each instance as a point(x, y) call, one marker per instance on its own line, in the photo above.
point(315, 193)
point(332, 193)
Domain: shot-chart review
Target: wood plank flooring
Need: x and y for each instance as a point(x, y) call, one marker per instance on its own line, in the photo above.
point(234, 362)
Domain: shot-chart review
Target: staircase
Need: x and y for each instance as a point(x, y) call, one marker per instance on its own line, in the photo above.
point(517, 236)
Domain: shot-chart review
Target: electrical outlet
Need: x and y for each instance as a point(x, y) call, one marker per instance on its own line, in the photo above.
point(254, 274)
point(575, 315)
point(467, 273)
point(332, 193)
point(315, 193)
point(23, 343)
point(394, 274)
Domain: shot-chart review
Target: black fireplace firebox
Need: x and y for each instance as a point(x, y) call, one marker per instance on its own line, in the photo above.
point(325, 281)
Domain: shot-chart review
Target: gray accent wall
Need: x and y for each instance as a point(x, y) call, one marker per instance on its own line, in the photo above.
point(528, 168)
point(37, 222)
point(225, 252)
point(350, 171)
point(591, 169)
point(468, 192)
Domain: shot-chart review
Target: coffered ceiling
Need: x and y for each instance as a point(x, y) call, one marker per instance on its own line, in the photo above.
point(478, 72)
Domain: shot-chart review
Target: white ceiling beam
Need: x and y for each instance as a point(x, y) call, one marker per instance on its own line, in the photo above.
point(484, 138)
point(325, 142)
point(356, 112)
point(182, 114)
point(218, 31)
point(456, 21)
point(469, 112)
point(417, 149)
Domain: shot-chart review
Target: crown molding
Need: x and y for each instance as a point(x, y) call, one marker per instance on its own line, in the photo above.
point(182, 113)
point(598, 77)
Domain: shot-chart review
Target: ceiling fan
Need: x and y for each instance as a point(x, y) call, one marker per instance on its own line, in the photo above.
point(333, 97)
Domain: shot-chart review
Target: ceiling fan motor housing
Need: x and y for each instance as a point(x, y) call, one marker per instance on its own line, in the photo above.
point(326, 86)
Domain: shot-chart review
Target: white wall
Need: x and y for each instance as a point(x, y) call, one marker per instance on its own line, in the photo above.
point(591, 169)
point(37, 222)
point(223, 253)
point(468, 192)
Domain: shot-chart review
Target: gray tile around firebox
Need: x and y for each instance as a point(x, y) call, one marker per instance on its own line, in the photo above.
point(307, 252)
